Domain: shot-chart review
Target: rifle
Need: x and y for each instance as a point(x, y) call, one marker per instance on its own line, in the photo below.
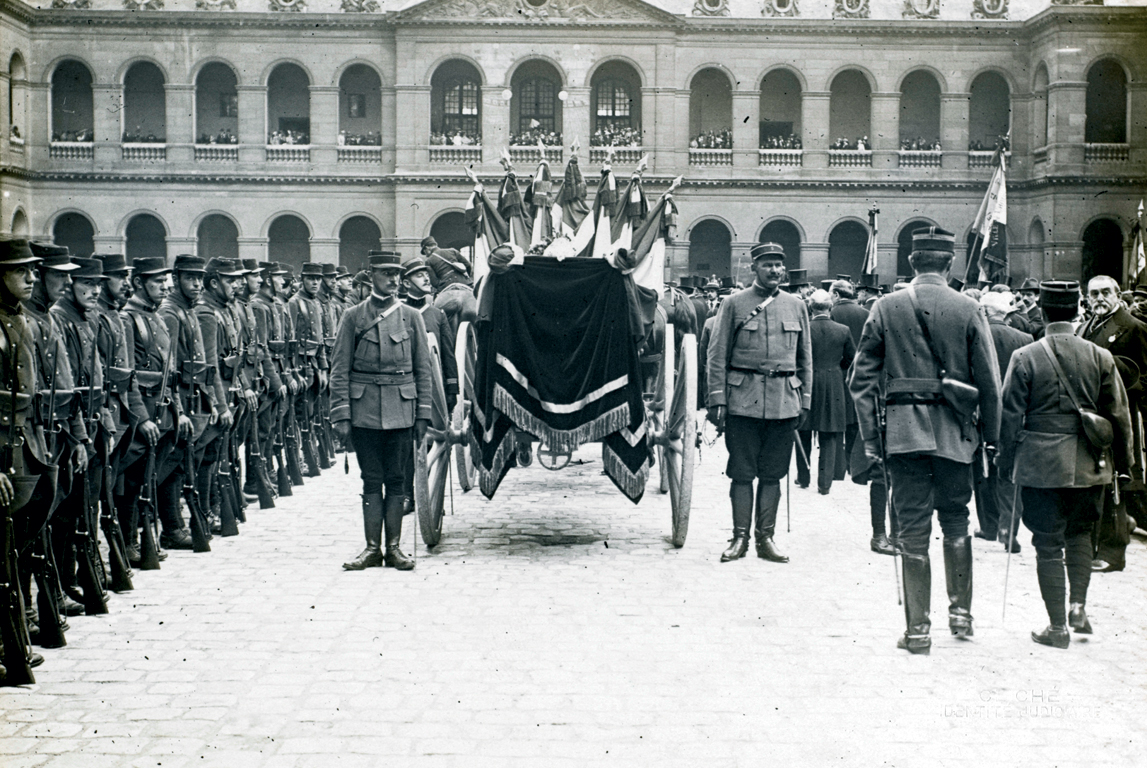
point(91, 574)
point(48, 588)
point(198, 520)
point(109, 520)
point(148, 545)
point(293, 439)
point(278, 442)
point(227, 507)
point(266, 499)
point(13, 626)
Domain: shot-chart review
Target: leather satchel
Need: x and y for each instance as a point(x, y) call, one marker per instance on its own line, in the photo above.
point(1098, 430)
point(963, 397)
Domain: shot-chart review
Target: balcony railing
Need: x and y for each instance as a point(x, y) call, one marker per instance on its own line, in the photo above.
point(792, 158)
point(850, 158)
point(288, 153)
point(16, 142)
point(978, 158)
point(621, 155)
point(216, 153)
point(144, 152)
point(1106, 153)
point(460, 155)
point(921, 158)
point(708, 158)
point(524, 154)
point(360, 154)
point(71, 150)
point(1039, 155)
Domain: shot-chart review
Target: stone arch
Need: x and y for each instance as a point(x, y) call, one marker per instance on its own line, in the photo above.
point(17, 66)
point(1103, 248)
point(358, 234)
point(20, 226)
point(940, 79)
point(711, 247)
point(213, 212)
point(145, 234)
point(733, 81)
point(867, 73)
point(796, 224)
point(121, 226)
point(51, 222)
point(1005, 74)
point(278, 214)
point(121, 73)
point(1107, 101)
point(76, 230)
point(56, 62)
point(796, 73)
point(203, 63)
point(774, 230)
point(217, 236)
point(265, 75)
point(428, 75)
point(589, 75)
point(342, 68)
point(904, 242)
point(450, 222)
point(519, 63)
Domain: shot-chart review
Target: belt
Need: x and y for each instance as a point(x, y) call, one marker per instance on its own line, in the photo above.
point(1054, 423)
point(63, 406)
point(383, 379)
point(913, 398)
point(23, 408)
point(148, 378)
point(770, 374)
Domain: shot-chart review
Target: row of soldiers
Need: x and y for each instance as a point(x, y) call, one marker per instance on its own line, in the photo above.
point(134, 392)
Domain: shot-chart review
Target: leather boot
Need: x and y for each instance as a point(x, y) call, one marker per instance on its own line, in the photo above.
point(1077, 557)
point(394, 557)
point(741, 496)
point(768, 499)
point(371, 557)
point(958, 574)
point(917, 570)
point(1052, 587)
point(881, 545)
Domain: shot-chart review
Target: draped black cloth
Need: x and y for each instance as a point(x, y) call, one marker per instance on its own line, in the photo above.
point(557, 358)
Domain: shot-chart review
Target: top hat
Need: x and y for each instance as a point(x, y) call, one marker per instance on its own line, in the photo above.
point(727, 283)
point(385, 260)
point(414, 266)
point(114, 264)
point(225, 268)
point(869, 280)
point(53, 257)
point(826, 284)
point(185, 262)
point(329, 270)
point(148, 266)
point(933, 239)
point(847, 278)
point(686, 282)
point(769, 250)
point(312, 269)
point(15, 252)
point(89, 269)
point(798, 277)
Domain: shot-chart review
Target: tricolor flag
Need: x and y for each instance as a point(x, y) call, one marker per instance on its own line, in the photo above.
point(490, 229)
point(870, 252)
point(539, 200)
point(988, 256)
point(511, 208)
point(645, 258)
point(571, 213)
point(1137, 251)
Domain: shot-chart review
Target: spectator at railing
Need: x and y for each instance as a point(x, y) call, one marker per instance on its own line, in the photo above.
point(368, 139)
point(792, 141)
point(14, 132)
point(138, 137)
point(609, 135)
point(918, 144)
point(530, 138)
point(860, 145)
point(83, 135)
point(288, 137)
point(722, 139)
point(223, 137)
point(456, 139)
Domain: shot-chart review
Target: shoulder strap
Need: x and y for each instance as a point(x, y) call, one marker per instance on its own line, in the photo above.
point(911, 291)
point(736, 331)
point(1049, 350)
point(378, 321)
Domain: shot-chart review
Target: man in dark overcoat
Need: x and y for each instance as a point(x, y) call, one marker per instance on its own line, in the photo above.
point(381, 400)
point(760, 385)
point(1043, 448)
point(846, 310)
point(832, 353)
point(914, 338)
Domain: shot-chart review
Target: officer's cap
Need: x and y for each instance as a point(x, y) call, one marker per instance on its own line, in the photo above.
point(770, 251)
point(15, 252)
point(1062, 294)
point(149, 266)
point(933, 239)
point(413, 267)
point(53, 257)
point(185, 262)
point(114, 264)
point(385, 260)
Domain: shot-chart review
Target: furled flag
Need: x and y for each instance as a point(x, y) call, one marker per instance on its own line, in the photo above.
point(616, 220)
point(539, 200)
point(645, 258)
point(1137, 251)
point(988, 256)
point(870, 252)
point(604, 203)
point(510, 206)
point(571, 213)
point(490, 229)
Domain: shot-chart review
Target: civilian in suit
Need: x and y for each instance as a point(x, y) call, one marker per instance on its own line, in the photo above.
point(832, 353)
point(847, 311)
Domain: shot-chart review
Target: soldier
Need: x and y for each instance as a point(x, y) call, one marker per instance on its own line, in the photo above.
point(380, 394)
point(151, 353)
point(760, 386)
point(453, 279)
point(331, 312)
point(918, 345)
point(1045, 451)
point(274, 326)
point(307, 319)
point(198, 399)
point(416, 280)
point(257, 330)
point(345, 283)
point(1112, 327)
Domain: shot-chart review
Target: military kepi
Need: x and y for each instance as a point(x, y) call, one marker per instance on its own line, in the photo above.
point(385, 260)
point(225, 267)
point(53, 257)
point(185, 262)
point(15, 252)
point(312, 269)
point(114, 264)
point(89, 269)
point(1059, 293)
point(934, 239)
point(149, 266)
point(771, 251)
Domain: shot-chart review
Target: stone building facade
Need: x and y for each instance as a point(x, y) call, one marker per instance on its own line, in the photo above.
point(315, 130)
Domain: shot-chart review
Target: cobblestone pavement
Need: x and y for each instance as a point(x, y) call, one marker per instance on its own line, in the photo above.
point(556, 625)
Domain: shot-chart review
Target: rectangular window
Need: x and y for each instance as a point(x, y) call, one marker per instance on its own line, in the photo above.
point(228, 105)
point(356, 105)
point(536, 104)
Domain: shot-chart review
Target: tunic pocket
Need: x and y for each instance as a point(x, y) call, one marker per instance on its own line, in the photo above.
point(357, 390)
point(791, 328)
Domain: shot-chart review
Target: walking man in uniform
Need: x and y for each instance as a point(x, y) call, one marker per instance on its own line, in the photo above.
point(1043, 447)
point(380, 400)
point(915, 342)
point(760, 385)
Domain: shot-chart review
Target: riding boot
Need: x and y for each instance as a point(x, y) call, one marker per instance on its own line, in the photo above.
point(741, 495)
point(394, 557)
point(958, 574)
point(768, 499)
point(917, 570)
point(1052, 587)
point(371, 557)
point(1077, 557)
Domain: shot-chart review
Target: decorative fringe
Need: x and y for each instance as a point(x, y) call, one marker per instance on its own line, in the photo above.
point(630, 483)
point(490, 479)
point(565, 440)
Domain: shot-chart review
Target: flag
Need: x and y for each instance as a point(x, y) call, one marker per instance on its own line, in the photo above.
point(988, 256)
point(603, 204)
point(490, 229)
point(539, 200)
point(645, 257)
point(1137, 252)
point(571, 213)
point(870, 264)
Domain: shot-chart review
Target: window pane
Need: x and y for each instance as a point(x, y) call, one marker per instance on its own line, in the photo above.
point(620, 101)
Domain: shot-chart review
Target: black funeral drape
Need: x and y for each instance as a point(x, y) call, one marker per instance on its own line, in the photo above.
point(557, 357)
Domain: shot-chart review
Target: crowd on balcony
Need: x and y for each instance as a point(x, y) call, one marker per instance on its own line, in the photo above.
point(368, 139)
point(288, 137)
point(610, 135)
point(456, 139)
point(223, 137)
point(14, 132)
point(722, 139)
point(919, 144)
point(531, 136)
point(792, 141)
point(139, 137)
point(979, 146)
point(84, 134)
point(860, 144)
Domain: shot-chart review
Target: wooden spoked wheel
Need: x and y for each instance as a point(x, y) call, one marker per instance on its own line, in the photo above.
point(465, 353)
point(432, 457)
point(676, 435)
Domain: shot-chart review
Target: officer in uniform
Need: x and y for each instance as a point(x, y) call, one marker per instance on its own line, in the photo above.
point(307, 320)
point(453, 279)
point(381, 400)
point(760, 385)
point(1044, 449)
point(151, 352)
point(416, 281)
point(913, 342)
